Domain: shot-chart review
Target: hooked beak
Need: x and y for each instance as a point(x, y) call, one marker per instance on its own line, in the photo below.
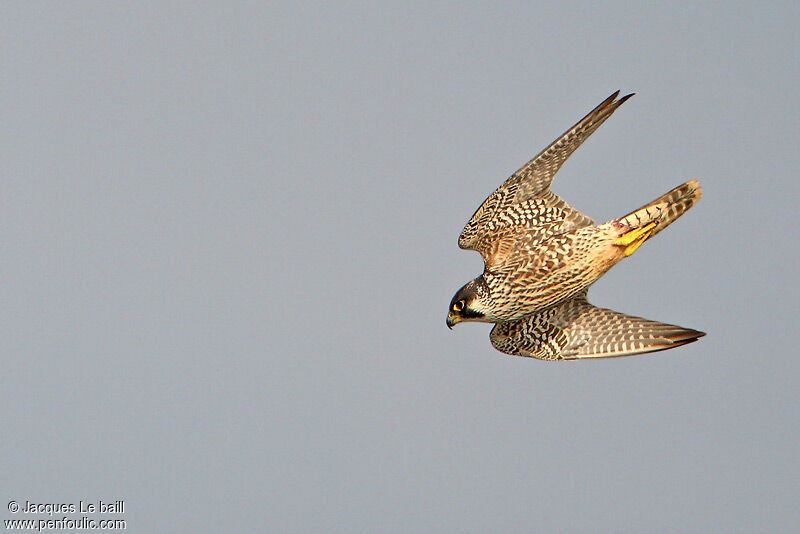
point(452, 320)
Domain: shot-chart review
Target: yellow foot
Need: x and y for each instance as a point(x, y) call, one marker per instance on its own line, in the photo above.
point(633, 240)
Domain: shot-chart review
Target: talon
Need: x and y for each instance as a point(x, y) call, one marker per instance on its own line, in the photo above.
point(633, 240)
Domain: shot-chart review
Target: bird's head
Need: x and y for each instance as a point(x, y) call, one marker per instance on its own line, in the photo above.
point(468, 304)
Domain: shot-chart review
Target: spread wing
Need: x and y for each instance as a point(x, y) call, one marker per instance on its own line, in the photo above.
point(577, 330)
point(525, 199)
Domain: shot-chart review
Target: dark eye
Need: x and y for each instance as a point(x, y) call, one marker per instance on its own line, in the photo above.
point(458, 306)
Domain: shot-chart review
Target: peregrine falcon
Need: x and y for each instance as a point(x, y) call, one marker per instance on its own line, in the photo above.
point(541, 255)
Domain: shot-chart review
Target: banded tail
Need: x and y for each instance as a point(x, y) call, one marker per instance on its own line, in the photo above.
point(652, 218)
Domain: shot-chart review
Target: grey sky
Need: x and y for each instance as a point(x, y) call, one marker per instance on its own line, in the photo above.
point(228, 242)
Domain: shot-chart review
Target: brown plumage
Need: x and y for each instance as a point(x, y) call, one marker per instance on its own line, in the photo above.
point(541, 255)
point(575, 329)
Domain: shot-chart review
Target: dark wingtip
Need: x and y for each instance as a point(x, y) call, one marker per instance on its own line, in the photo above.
point(684, 336)
point(611, 98)
point(624, 98)
point(611, 103)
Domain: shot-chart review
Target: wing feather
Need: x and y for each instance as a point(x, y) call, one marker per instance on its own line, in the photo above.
point(537, 175)
point(525, 199)
point(578, 330)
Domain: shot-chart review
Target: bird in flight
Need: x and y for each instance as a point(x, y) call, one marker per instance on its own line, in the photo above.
point(541, 255)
